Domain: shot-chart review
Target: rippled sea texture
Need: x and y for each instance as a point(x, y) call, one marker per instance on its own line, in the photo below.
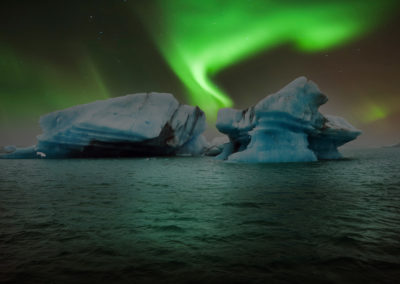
point(201, 220)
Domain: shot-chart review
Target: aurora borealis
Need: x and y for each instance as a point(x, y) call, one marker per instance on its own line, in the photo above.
point(23, 78)
point(212, 54)
point(200, 38)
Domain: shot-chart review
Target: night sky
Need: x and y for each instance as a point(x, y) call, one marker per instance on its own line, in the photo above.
point(56, 54)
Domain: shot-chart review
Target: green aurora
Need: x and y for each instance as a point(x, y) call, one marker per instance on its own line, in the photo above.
point(30, 88)
point(197, 39)
point(200, 38)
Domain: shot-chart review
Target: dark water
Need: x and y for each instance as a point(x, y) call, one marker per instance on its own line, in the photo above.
point(199, 220)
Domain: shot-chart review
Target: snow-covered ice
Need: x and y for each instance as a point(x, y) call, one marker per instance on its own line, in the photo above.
point(284, 127)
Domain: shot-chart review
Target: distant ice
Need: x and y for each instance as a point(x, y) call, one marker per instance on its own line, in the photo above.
point(396, 145)
point(8, 149)
point(216, 146)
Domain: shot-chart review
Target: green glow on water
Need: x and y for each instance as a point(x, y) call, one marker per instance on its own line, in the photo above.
point(200, 38)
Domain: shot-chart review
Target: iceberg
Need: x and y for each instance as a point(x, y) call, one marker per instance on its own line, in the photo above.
point(7, 149)
point(284, 127)
point(396, 145)
point(216, 146)
point(139, 125)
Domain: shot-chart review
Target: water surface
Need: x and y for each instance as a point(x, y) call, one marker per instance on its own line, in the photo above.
point(200, 220)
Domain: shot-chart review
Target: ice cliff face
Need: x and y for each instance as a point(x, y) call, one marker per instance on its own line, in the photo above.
point(284, 127)
point(153, 124)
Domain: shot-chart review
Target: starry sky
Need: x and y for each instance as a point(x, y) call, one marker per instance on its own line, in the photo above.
point(56, 54)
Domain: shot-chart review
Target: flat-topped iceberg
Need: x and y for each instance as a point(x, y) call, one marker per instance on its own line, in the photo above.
point(284, 127)
point(153, 124)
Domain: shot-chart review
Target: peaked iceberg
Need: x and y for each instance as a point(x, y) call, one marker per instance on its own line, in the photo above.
point(153, 124)
point(284, 127)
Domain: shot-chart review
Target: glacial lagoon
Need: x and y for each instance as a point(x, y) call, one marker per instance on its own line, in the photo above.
point(184, 220)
